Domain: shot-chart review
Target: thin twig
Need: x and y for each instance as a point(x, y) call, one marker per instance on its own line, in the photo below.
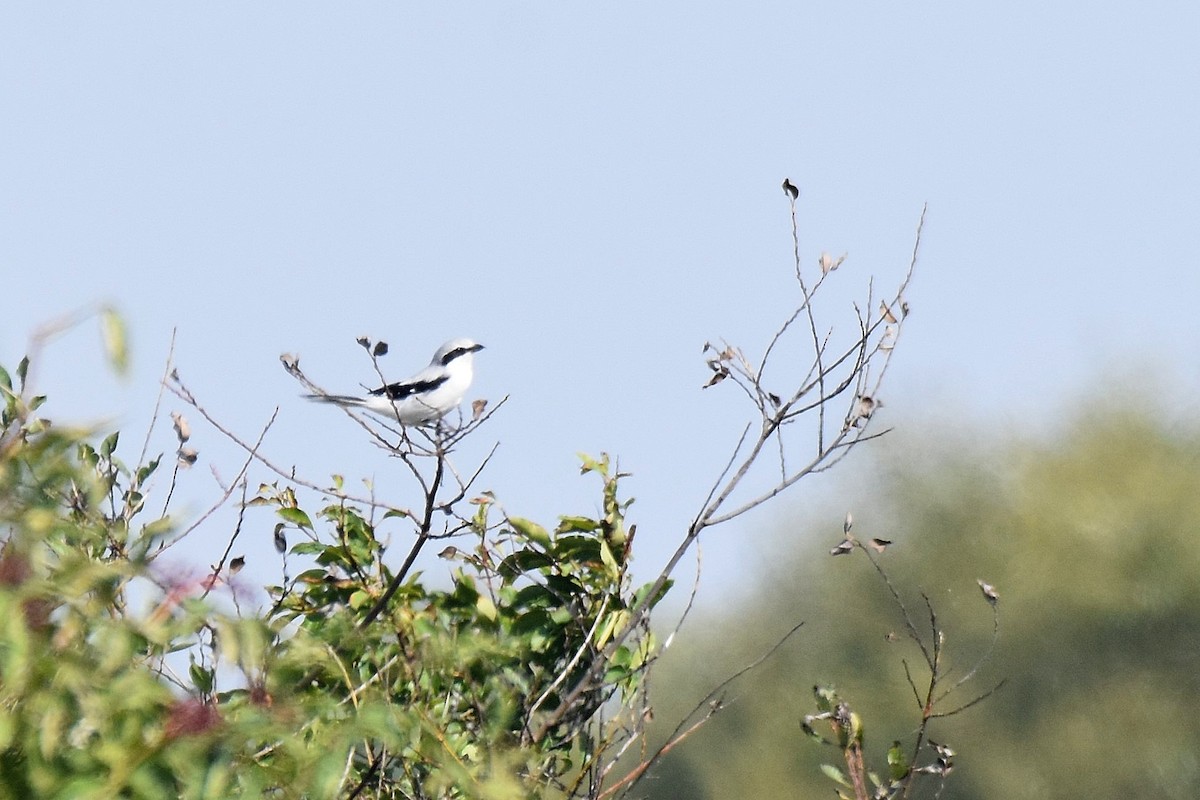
point(237, 531)
point(227, 490)
point(157, 405)
point(972, 702)
point(182, 393)
point(675, 736)
point(584, 646)
point(422, 538)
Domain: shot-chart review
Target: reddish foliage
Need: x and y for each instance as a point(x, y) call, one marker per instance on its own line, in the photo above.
point(191, 717)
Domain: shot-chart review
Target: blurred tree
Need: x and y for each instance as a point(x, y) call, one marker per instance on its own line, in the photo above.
point(1090, 539)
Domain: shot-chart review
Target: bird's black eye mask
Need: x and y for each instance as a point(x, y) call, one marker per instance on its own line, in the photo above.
point(460, 351)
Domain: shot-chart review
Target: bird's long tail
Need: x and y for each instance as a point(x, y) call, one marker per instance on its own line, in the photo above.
point(337, 399)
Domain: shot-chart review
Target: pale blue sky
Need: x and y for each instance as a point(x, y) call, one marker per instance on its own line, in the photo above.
point(593, 191)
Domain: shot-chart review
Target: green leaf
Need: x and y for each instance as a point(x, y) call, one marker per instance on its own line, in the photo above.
point(87, 454)
point(8, 730)
point(530, 530)
point(532, 620)
point(133, 502)
point(5, 380)
point(158, 527)
point(109, 444)
point(534, 595)
point(806, 725)
point(145, 472)
point(22, 370)
point(617, 621)
point(609, 560)
point(485, 607)
point(521, 562)
point(616, 674)
point(479, 520)
point(202, 678)
point(584, 524)
point(295, 516)
point(334, 554)
point(621, 657)
point(116, 342)
point(856, 727)
point(641, 593)
point(897, 761)
point(312, 577)
point(591, 465)
point(576, 549)
point(835, 774)
point(564, 587)
point(827, 698)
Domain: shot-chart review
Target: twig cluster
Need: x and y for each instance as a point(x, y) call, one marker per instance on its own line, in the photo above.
point(930, 693)
point(839, 391)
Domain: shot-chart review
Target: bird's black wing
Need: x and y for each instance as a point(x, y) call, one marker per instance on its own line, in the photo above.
point(403, 389)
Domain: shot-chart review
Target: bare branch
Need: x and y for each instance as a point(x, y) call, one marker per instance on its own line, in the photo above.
point(775, 413)
point(228, 490)
point(713, 704)
point(181, 391)
point(971, 702)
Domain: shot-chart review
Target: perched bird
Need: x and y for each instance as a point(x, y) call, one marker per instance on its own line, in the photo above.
point(426, 396)
point(790, 189)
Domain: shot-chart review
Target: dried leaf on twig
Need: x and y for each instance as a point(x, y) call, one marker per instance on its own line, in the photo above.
point(889, 338)
point(864, 407)
point(828, 263)
point(845, 546)
point(720, 373)
point(182, 429)
point(989, 592)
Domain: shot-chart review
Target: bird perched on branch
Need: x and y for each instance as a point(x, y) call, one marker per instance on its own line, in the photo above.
point(425, 397)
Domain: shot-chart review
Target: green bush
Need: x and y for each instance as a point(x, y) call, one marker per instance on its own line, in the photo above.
point(357, 680)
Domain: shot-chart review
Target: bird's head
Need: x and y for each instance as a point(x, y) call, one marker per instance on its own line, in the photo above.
point(456, 349)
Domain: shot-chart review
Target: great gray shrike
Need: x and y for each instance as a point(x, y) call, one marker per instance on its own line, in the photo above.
point(425, 397)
